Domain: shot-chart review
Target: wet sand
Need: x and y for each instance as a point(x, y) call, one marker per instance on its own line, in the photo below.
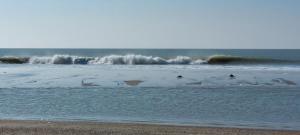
point(12, 127)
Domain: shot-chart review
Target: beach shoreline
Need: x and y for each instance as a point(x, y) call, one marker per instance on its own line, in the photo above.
point(35, 127)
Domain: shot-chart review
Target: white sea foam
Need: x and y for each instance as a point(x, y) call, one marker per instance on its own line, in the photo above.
point(128, 59)
point(40, 60)
point(198, 61)
point(180, 60)
point(144, 60)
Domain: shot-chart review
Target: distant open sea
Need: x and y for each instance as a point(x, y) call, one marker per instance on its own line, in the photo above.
point(202, 87)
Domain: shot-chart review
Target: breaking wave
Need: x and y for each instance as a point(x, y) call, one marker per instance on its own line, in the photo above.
point(60, 59)
point(223, 59)
point(14, 60)
point(128, 60)
point(132, 59)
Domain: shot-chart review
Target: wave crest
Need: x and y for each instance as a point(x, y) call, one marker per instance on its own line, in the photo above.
point(225, 59)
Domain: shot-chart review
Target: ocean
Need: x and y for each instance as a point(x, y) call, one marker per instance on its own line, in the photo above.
point(201, 87)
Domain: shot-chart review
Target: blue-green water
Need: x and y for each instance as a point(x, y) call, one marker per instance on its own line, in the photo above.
point(286, 54)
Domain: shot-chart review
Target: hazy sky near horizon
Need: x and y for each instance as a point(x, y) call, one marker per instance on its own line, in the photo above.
point(150, 24)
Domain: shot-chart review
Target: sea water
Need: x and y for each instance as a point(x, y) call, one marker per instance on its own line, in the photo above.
point(93, 85)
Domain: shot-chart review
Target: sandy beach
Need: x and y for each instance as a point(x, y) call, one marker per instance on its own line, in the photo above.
point(13, 127)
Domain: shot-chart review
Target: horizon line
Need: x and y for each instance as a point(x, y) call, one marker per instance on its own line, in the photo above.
point(168, 48)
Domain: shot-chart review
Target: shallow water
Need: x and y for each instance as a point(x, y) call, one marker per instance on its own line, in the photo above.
point(246, 107)
point(264, 95)
point(204, 96)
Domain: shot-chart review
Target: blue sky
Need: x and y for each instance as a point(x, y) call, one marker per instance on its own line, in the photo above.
point(150, 24)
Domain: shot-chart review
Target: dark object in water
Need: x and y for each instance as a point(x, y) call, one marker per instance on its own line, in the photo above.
point(194, 83)
point(231, 76)
point(87, 84)
point(133, 82)
point(179, 77)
